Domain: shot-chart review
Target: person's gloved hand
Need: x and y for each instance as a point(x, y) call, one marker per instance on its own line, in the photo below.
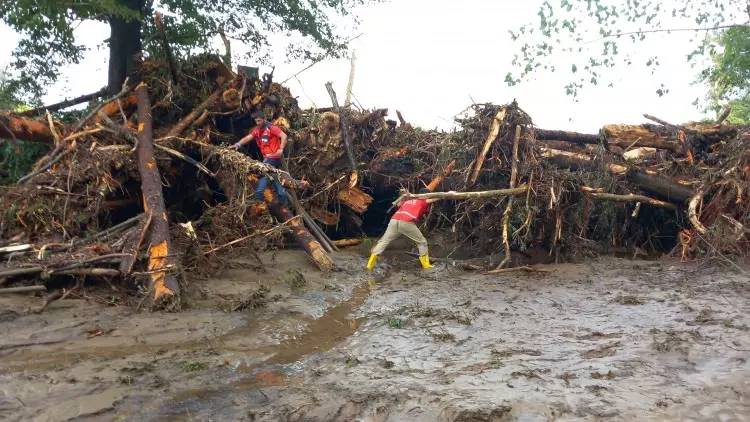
point(235, 146)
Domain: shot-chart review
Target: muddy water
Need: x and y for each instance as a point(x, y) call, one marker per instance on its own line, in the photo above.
point(613, 339)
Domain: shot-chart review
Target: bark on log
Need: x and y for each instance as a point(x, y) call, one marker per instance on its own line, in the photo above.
point(660, 186)
point(561, 135)
point(623, 136)
point(494, 131)
point(20, 128)
point(65, 104)
point(161, 261)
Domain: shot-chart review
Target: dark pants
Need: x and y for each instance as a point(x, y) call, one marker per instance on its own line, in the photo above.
point(263, 182)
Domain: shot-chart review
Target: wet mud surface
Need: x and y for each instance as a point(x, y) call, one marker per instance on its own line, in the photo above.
point(611, 339)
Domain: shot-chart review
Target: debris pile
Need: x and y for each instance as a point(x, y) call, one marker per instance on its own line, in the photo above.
point(142, 187)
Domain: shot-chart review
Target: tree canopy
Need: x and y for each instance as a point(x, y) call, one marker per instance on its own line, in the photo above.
point(729, 74)
point(591, 35)
point(49, 40)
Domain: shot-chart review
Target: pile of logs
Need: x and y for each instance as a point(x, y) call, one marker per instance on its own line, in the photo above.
point(142, 186)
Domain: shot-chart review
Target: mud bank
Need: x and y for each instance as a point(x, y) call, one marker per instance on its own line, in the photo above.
point(616, 339)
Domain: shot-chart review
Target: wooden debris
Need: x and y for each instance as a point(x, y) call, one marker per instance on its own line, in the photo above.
point(162, 263)
point(354, 198)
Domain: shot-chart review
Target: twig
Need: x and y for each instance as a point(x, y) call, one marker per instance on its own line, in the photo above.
point(509, 205)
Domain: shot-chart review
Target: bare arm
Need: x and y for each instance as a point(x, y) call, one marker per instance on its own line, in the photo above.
point(243, 141)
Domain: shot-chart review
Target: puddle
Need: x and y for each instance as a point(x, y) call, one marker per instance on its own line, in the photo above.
point(322, 334)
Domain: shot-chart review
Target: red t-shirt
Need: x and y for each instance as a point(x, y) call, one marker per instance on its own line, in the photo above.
point(412, 210)
point(268, 139)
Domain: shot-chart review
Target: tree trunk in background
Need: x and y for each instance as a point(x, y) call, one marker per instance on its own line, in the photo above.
point(124, 46)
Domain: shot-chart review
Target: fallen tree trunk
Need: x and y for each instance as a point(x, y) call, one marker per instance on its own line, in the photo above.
point(21, 128)
point(623, 136)
point(161, 257)
point(65, 104)
point(561, 135)
point(297, 228)
point(435, 182)
point(661, 186)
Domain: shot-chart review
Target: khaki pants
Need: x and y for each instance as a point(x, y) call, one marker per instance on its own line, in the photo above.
point(397, 228)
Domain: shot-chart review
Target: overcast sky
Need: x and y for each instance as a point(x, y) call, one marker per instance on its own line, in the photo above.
point(432, 58)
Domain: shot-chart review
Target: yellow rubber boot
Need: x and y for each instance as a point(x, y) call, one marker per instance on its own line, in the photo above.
point(371, 262)
point(425, 260)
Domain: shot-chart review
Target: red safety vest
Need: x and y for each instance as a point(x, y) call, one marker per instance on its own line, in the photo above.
point(412, 210)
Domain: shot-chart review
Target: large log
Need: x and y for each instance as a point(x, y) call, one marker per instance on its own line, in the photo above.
point(161, 260)
point(623, 136)
point(655, 184)
point(297, 228)
point(660, 185)
point(20, 128)
point(561, 135)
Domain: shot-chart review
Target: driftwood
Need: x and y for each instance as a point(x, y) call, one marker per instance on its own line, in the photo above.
point(343, 119)
point(186, 121)
point(497, 123)
point(598, 194)
point(509, 205)
point(161, 257)
point(693, 205)
point(655, 184)
point(458, 196)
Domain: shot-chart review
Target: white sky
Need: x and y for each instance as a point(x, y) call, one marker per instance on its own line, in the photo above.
point(430, 58)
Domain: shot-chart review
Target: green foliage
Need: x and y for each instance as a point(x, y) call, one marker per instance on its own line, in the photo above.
point(49, 42)
point(570, 28)
point(729, 74)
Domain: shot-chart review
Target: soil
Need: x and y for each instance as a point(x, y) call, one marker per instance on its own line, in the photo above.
point(611, 338)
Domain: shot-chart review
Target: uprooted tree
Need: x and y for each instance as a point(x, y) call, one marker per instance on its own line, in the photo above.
point(49, 39)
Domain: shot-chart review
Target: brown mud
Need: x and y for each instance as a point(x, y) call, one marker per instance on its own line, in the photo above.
point(610, 339)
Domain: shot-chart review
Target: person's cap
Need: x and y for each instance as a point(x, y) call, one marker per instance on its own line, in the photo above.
point(259, 115)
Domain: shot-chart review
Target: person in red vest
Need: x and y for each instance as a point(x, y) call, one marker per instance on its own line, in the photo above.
point(404, 222)
point(271, 141)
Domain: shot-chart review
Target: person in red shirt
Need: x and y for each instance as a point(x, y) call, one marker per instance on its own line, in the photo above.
point(271, 141)
point(404, 222)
